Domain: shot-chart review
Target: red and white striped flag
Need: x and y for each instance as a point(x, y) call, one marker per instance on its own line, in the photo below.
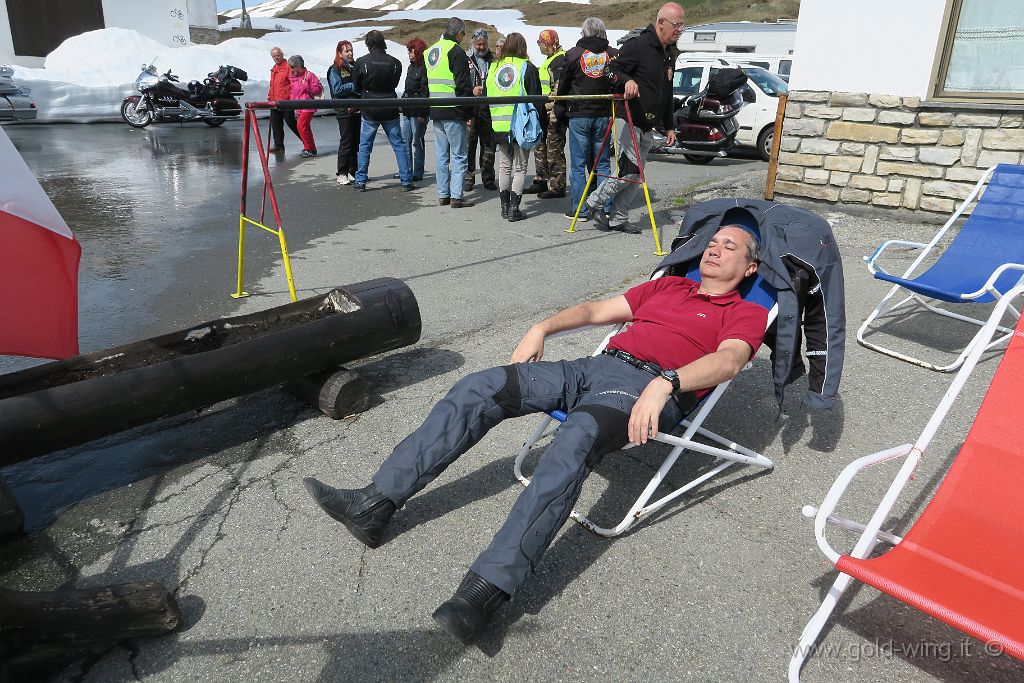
point(38, 266)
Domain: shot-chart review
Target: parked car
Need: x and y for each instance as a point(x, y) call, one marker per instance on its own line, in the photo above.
point(15, 103)
point(756, 120)
point(780, 65)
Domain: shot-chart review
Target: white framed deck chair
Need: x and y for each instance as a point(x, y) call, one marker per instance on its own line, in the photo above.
point(960, 561)
point(753, 289)
point(984, 260)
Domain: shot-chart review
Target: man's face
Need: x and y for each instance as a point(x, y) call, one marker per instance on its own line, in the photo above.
point(545, 49)
point(725, 258)
point(669, 28)
point(480, 45)
point(277, 56)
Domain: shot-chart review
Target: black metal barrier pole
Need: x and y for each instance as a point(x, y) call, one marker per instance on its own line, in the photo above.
point(420, 102)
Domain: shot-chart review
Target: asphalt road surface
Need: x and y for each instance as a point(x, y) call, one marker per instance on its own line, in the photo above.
point(715, 588)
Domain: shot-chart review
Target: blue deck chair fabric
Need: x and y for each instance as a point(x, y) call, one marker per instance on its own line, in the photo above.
point(992, 236)
point(990, 244)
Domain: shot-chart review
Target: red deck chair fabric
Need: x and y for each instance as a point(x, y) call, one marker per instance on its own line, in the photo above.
point(962, 560)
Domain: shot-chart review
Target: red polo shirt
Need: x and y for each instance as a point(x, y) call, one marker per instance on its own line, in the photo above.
point(674, 325)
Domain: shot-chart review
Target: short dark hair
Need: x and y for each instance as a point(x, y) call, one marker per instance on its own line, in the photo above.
point(374, 39)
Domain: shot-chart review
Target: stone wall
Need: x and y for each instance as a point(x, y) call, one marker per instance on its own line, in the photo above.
point(203, 36)
point(890, 152)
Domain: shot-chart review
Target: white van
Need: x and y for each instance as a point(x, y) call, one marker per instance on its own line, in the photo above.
point(757, 119)
point(780, 65)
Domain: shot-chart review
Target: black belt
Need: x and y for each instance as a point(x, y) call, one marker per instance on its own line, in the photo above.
point(645, 365)
point(686, 400)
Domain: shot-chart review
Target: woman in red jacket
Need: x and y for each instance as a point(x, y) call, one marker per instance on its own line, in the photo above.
point(280, 89)
point(304, 86)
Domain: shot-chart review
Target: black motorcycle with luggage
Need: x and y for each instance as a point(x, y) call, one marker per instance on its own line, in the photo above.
point(213, 101)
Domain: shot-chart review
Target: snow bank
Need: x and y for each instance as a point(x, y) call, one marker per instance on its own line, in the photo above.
point(88, 75)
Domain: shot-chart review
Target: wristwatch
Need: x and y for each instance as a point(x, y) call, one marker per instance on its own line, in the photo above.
point(672, 377)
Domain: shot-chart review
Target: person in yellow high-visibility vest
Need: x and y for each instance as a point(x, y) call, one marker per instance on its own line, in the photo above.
point(549, 156)
point(448, 76)
point(510, 74)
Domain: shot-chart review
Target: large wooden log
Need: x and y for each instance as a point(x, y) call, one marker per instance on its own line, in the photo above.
point(61, 404)
point(11, 518)
point(75, 619)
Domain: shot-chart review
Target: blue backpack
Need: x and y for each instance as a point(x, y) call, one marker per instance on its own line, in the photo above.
point(526, 128)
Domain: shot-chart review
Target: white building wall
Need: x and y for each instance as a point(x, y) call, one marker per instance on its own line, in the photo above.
point(165, 21)
point(871, 46)
point(202, 13)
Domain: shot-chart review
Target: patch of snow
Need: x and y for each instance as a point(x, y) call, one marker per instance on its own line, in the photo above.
point(365, 4)
point(571, 2)
point(273, 23)
point(194, 335)
point(309, 4)
point(418, 4)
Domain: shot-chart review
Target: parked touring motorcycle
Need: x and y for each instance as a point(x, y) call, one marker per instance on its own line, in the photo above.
point(705, 123)
point(213, 101)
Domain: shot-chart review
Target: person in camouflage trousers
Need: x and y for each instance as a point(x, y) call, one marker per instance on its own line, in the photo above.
point(480, 131)
point(549, 156)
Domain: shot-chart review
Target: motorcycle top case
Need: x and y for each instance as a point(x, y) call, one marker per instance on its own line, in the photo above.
point(725, 82)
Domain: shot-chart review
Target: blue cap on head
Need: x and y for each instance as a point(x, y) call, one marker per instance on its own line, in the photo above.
point(744, 219)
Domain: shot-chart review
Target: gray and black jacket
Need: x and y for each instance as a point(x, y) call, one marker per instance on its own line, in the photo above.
point(800, 258)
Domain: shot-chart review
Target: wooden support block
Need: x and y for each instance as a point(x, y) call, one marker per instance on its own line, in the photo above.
point(335, 393)
point(11, 518)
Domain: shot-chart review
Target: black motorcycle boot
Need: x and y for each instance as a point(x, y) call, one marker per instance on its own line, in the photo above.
point(505, 199)
point(365, 512)
point(536, 187)
point(514, 214)
point(466, 614)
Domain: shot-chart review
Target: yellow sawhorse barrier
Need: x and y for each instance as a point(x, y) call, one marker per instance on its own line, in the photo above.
point(252, 127)
point(240, 293)
point(658, 251)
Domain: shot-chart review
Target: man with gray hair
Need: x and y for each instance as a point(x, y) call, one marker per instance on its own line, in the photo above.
point(480, 131)
point(448, 76)
point(584, 74)
point(642, 72)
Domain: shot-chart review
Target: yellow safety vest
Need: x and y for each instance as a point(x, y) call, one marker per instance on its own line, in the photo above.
point(504, 79)
point(545, 73)
point(440, 79)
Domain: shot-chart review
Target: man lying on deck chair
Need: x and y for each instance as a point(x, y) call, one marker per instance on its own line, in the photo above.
point(706, 331)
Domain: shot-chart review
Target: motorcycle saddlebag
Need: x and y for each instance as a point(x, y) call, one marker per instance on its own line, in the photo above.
point(725, 82)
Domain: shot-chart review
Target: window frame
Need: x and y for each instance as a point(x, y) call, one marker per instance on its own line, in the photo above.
point(944, 48)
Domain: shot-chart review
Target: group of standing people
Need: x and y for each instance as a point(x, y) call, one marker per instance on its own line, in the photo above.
point(467, 136)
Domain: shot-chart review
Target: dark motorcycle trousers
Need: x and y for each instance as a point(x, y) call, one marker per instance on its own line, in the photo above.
point(597, 392)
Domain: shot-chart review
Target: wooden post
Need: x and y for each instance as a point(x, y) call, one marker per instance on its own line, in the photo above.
point(335, 393)
point(11, 518)
point(773, 161)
